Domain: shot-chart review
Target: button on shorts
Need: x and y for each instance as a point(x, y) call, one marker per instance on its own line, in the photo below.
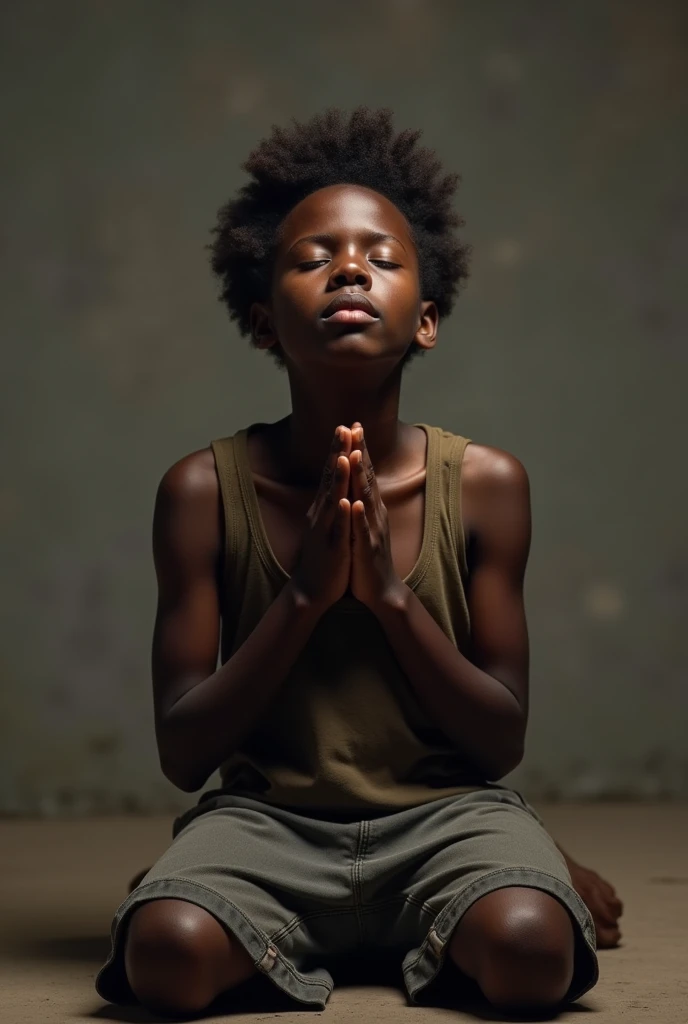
point(297, 890)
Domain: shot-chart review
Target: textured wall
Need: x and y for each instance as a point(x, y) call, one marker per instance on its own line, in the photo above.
point(124, 127)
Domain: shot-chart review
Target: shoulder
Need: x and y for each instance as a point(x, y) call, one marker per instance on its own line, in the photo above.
point(493, 472)
point(188, 513)
point(495, 497)
point(191, 480)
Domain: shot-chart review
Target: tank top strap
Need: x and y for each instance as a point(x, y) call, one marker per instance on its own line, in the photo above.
point(230, 492)
point(455, 447)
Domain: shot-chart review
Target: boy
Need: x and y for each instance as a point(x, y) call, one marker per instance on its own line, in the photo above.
point(373, 685)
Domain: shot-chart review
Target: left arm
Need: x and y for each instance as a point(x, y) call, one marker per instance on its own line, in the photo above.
point(481, 704)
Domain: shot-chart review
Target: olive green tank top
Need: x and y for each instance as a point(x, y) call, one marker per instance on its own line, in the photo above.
point(345, 731)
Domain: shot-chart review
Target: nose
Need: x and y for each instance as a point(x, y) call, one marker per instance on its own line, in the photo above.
point(350, 270)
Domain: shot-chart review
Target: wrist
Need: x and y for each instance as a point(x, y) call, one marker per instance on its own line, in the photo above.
point(394, 602)
point(301, 603)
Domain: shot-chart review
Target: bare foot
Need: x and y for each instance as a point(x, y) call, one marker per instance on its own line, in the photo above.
point(601, 900)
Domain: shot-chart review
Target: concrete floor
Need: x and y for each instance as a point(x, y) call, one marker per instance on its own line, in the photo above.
point(54, 927)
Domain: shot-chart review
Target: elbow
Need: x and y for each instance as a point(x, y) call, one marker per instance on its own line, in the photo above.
point(513, 748)
point(171, 764)
point(179, 779)
point(498, 771)
point(509, 759)
point(173, 774)
point(178, 774)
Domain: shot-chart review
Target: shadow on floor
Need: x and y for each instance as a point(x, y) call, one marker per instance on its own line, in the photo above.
point(451, 990)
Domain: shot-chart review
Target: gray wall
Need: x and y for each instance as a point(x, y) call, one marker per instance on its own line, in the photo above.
point(124, 128)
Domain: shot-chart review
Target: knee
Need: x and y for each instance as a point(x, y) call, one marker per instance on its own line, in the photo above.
point(166, 957)
point(528, 963)
point(518, 944)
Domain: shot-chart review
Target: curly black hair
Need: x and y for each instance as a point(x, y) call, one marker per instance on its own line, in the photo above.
point(332, 149)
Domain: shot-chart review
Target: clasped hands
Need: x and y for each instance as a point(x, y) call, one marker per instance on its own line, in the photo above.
point(373, 578)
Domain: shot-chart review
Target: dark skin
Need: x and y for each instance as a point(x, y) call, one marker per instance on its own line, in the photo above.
point(348, 376)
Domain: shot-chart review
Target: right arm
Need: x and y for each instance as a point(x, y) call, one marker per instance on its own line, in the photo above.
point(202, 713)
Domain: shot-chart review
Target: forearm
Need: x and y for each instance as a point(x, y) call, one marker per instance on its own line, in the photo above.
point(206, 724)
point(472, 708)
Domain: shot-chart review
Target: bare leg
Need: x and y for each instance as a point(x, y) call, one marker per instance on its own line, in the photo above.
point(518, 944)
point(179, 958)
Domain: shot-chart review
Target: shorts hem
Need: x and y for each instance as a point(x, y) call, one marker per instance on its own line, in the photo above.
point(112, 984)
point(422, 965)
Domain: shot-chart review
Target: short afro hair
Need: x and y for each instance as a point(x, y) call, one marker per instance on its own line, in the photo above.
point(333, 149)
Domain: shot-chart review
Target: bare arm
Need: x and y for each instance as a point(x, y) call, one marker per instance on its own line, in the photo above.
point(481, 703)
point(202, 714)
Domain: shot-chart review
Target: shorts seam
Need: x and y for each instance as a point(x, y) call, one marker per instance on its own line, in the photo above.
point(425, 906)
point(357, 874)
point(206, 888)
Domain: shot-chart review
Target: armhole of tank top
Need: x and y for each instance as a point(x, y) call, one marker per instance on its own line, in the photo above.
point(223, 451)
point(458, 451)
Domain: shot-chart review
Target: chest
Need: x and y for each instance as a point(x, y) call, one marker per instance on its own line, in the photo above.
point(283, 513)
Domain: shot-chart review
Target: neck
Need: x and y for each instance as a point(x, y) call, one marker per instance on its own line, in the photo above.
point(306, 434)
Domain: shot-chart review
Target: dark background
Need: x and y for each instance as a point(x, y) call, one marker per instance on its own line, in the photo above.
point(124, 127)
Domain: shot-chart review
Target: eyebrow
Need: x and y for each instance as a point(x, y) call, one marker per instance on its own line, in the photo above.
point(371, 236)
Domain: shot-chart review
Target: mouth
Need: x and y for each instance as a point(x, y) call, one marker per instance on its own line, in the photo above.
point(350, 308)
point(350, 316)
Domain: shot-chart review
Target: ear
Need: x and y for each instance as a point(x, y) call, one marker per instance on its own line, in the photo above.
point(426, 335)
point(262, 332)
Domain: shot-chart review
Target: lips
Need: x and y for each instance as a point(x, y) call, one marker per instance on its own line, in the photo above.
point(349, 300)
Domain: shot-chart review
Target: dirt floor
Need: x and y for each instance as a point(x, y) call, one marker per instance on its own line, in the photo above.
point(54, 927)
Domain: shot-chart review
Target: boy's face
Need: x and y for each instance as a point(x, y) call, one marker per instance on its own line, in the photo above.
point(310, 272)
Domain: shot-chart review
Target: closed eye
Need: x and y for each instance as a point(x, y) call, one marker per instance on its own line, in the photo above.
point(314, 263)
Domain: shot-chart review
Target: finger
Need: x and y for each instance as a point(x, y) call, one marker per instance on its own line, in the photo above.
point(343, 475)
point(360, 522)
point(331, 461)
point(346, 439)
point(337, 448)
point(339, 485)
point(341, 529)
point(368, 466)
point(358, 477)
point(366, 484)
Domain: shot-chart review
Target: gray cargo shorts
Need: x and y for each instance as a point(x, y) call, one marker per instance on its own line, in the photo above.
point(297, 890)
